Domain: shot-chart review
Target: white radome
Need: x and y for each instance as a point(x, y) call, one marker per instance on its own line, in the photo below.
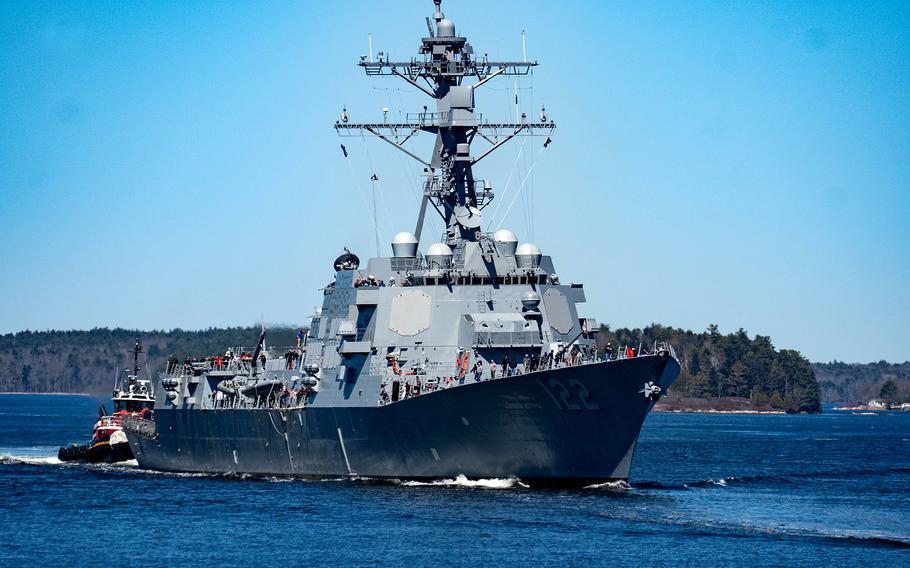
point(505, 236)
point(404, 245)
point(439, 256)
point(530, 300)
point(404, 237)
point(445, 28)
point(439, 249)
point(527, 249)
point(528, 256)
point(506, 241)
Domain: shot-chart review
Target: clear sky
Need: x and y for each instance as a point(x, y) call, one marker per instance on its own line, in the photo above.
point(173, 164)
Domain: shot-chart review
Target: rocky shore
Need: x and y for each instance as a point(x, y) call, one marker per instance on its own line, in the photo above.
point(717, 405)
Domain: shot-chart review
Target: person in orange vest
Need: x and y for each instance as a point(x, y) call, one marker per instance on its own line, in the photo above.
point(630, 352)
point(462, 364)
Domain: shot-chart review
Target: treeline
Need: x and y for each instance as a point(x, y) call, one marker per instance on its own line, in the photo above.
point(88, 361)
point(852, 382)
point(713, 364)
point(730, 365)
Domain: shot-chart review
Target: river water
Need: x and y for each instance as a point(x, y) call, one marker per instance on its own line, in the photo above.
point(706, 490)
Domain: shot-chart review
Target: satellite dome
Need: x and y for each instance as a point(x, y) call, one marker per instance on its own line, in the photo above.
point(347, 261)
point(506, 242)
point(439, 249)
point(404, 237)
point(505, 236)
point(445, 28)
point(528, 256)
point(530, 300)
point(404, 245)
point(439, 255)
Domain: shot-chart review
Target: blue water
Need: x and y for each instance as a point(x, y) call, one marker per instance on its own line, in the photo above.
point(706, 490)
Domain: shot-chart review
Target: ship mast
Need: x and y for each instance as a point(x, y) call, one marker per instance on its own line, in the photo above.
point(450, 186)
point(137, 349)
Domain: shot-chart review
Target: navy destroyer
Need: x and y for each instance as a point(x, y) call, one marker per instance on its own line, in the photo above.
point(467, 357)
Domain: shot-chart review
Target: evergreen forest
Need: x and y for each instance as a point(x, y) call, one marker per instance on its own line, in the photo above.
point(714, 364)
point(730, 365)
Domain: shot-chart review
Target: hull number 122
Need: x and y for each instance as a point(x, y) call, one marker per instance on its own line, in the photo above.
point(570, 395)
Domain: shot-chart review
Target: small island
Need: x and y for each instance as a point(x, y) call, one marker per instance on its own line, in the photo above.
point(728, 372)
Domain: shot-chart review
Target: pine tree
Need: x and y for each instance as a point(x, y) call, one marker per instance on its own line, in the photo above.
point(888, 394)
point(26, 377)
point(695, 363)
point(699, 386)
point(738, 382)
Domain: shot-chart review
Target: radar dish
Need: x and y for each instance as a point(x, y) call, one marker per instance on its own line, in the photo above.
point(468, 217)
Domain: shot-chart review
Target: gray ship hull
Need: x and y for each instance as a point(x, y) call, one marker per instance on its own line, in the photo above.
point(567, 426)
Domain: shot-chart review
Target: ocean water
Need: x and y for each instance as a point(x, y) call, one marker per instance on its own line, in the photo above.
point(707, 490)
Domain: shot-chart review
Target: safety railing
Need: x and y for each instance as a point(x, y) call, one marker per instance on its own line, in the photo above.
point(294, 399)
point(452, 375)
point(507, 338)
point(143, 427)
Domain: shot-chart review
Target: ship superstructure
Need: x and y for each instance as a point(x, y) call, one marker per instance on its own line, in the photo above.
point(467, 358)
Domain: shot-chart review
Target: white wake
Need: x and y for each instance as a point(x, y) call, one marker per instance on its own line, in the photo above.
point(463, 481)
point(618, 485)
point(11, 459)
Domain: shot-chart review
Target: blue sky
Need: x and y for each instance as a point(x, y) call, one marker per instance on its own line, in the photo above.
point(741, 163)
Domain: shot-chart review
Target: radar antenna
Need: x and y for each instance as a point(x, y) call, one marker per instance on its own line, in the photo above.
point(137, 349)
point(447, 61)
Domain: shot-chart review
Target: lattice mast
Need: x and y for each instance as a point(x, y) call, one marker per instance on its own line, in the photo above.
point(447, 61)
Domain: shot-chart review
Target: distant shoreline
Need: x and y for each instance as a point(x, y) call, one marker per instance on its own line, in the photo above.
point(714, 411)
point(715, 405)
point(723, 405)
point(870, 408)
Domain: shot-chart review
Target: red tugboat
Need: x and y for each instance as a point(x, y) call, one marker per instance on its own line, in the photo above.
point(132, 396)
